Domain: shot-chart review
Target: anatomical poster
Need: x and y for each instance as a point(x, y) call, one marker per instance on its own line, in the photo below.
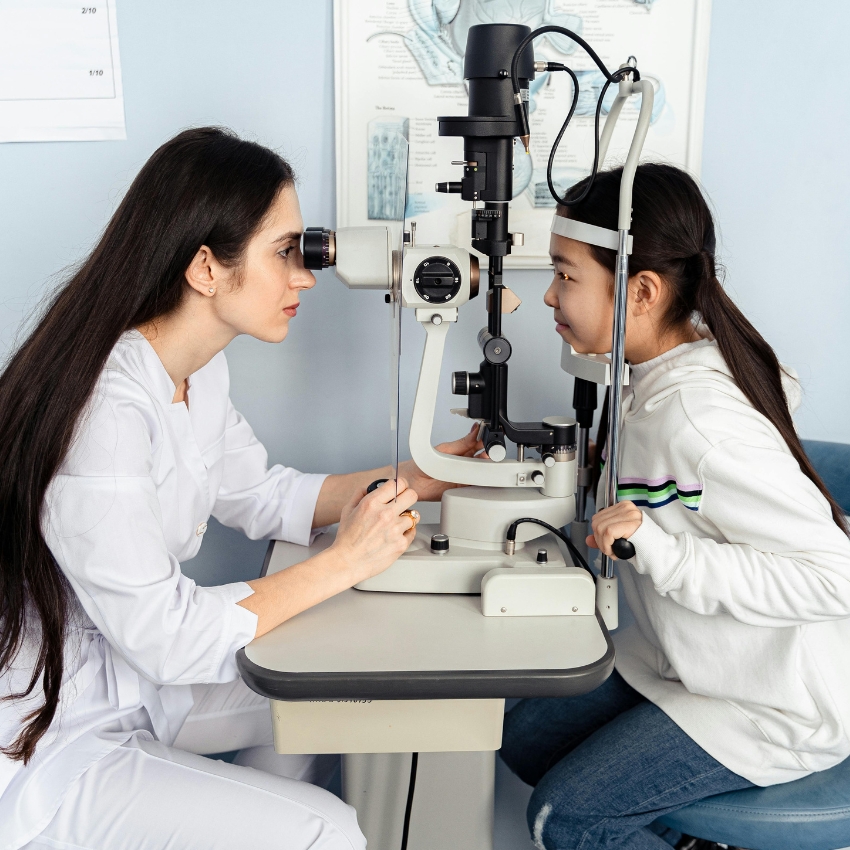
point(399, 65)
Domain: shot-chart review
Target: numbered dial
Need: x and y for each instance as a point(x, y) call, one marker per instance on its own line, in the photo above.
point(437, 280)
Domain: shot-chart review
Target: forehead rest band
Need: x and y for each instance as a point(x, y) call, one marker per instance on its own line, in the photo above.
point(588, 233)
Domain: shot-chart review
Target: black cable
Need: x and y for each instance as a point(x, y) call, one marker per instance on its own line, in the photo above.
point(409, 808)
point(522, 110)
point(595, 168)
point(578, 560)
point(569, 34)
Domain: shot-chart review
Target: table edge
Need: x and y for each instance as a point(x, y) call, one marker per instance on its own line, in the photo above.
point(428, 684)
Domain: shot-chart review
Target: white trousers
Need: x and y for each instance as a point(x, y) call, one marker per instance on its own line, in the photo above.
point(146, 796)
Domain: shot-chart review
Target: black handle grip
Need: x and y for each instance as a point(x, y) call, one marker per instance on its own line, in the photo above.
point(375, 484)
point(623, 549)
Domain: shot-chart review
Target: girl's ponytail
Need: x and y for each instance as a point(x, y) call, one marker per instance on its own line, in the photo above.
point(674, 236)
point(754, 367)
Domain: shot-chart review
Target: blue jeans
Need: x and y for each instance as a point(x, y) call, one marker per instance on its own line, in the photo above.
point(604, 766)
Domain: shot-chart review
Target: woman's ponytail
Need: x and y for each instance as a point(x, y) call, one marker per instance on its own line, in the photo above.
point(674, 236)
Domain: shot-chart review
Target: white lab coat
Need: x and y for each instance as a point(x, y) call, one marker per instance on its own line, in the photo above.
point(130, 502)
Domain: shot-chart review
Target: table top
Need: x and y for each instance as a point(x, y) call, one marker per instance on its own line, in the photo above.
point(371, 645)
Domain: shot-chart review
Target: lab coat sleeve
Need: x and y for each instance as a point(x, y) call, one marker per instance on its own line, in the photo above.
point(784, 561)
point(277, 503)
point(103, 524)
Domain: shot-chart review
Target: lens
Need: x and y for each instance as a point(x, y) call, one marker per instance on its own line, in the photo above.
point(318, 245)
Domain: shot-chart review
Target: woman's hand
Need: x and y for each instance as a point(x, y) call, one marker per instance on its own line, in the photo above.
point(429, 489)
point(620, 520)
point(372, 534)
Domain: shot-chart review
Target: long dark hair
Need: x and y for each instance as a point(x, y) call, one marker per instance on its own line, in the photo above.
point(674, 236)
point(204, 187)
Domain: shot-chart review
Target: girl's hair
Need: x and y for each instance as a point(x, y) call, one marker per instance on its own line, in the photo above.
point(674, 236)
point(203, 187)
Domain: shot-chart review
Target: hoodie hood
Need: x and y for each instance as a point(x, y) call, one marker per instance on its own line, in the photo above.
point(692, 365)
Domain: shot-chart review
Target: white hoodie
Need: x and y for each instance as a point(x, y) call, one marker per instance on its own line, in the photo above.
point(740, 585)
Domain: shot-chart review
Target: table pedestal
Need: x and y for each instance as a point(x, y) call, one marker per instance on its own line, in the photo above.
point(455, 777)
point(452, 802)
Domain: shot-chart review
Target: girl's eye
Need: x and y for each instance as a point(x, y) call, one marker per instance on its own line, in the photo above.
point(285, 252)
point(563, 276)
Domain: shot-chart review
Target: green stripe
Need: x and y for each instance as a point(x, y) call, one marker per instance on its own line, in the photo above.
point(632, 491)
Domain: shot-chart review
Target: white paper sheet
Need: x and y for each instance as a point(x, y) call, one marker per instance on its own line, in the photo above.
point(60, 72)
point(399, 64)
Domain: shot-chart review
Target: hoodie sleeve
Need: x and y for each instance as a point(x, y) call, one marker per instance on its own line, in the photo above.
point(784, 561)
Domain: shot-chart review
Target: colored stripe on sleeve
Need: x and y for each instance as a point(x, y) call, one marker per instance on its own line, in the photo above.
point(657, 492)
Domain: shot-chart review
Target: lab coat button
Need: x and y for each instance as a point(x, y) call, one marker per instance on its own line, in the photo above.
point(201, 529)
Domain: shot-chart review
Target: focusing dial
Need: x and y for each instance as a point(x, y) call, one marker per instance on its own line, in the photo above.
point(437, 280)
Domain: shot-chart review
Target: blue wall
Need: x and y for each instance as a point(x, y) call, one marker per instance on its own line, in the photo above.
point(775, 128)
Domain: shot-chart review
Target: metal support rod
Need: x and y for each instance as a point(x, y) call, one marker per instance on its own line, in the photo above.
point(581, 464)
point(618, 360)
point(494, 319)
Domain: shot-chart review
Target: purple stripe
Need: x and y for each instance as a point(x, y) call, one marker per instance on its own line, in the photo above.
point(654, 482)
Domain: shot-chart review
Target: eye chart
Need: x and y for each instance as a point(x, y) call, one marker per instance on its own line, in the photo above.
point(60, 72)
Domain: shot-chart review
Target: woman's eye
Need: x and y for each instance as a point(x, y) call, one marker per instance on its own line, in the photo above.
point(285, 252)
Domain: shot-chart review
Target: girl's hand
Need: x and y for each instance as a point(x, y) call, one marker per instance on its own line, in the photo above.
point(620, 520)
point(372, 534)
point(429, 489)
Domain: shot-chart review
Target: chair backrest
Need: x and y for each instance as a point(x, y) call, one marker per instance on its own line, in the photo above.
point(832, 461)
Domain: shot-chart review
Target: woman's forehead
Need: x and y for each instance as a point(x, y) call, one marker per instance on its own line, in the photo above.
point(284, 215)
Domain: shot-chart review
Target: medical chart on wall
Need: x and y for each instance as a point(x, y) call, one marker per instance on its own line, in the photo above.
point(60, 72)
point(399, 64)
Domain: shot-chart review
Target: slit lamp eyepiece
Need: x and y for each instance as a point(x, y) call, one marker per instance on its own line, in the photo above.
point(318, 245)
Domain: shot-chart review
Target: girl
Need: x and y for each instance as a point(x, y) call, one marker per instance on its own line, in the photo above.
point(734, 672)
point(117, 442)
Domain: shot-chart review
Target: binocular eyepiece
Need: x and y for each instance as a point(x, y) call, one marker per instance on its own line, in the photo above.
point(318, 246)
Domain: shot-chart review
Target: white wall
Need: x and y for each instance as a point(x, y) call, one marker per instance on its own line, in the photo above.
point(776, 126)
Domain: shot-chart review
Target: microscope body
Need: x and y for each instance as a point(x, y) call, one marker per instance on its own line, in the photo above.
point(466, 552)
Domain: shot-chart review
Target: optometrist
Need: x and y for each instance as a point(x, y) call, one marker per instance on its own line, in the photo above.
point(117, 442)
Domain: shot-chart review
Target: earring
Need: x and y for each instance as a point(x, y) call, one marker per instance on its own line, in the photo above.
point(212, 291)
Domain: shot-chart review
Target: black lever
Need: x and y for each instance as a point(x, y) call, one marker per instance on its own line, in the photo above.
point(623, 549)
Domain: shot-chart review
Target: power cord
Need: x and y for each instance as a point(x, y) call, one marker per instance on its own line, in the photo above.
point(578, 560)
point(414, 764)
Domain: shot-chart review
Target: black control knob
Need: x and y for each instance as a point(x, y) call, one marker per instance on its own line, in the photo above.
point(460, 383)
point(439, 544)
point(495, 445)
point(542, 556)
point(437, 280)
point(623, 549)
point(496, 349)
point(467, 383)
point(375, 484)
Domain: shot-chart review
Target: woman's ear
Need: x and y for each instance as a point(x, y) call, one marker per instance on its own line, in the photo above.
point(647, 289)
point(204, 272)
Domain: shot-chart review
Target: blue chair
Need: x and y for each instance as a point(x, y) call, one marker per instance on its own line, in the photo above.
point(808, 814)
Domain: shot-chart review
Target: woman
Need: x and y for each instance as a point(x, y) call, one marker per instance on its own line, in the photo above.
point(731, 675)
point(117, 442)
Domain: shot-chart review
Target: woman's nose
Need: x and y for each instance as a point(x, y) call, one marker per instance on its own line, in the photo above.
point(303, 279)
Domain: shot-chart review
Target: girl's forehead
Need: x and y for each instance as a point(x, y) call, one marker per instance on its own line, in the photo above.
point(568, 253)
